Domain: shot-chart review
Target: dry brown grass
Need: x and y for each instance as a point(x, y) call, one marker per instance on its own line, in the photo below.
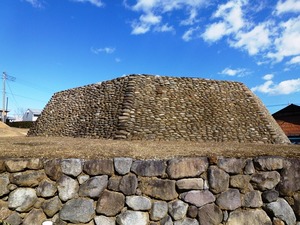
point(14, 143)
point(64, 147)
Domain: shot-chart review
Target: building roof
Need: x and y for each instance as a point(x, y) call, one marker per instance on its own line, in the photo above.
point(289, 119)
point(35, 111)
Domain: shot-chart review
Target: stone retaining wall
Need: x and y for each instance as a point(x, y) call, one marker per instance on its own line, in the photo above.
point(143, 107)
point(126, 191)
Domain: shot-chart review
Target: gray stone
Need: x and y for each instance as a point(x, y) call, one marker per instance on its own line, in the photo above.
point(159, 210)
point(16, 165)
point(270, 196)
point(252, 199)
point(83, 178)
point(133, 218)
point(232, 165)
point(265, 180)
point(190, 184)
point(2, 166)
point(103, 220)
point(4, 182)
point(22, 199)
point(282, 210)
point(158, 188)
point(229, 200)
point(52, 206)
point(122, 165)
point(93, 187)
point(192, 211)
point(249, 216)
point(35, 164)
point(29, 178)
point(14, 219)
point(128, 184)
point(46, 188)
point(67, 188)
point(114, 183)
point(268, 163)
point(198, 198)
point(249, 168)
point(4, 211)
point(110, 203)
point(138, 203)
point(186, 167)
point(177, 209)
point(78, 210)
point(53, 169)
point(167, 220)
point(218, 180)
point(210, 214)
point(186, 221)
point(72, 167)
point(296, 206)
point(242, 182)
point(35, 217)
point(99, 167)
point(149, 168)
point(290, 181)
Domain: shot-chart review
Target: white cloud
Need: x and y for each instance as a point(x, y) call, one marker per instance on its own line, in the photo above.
point(268, 77)
point(254, 41)
point(152, 12)
point(231, 21)
point(150, 19)
point(287, 43)
point(240, 72)
point(97, 3)
point(139, 28)
point(192, 18)
point(232, 14)
point(164, 28)
point(107, 50)
point(188, 35)
point(215, 32)
point(295, 60)
point(35, 3)
point(287, 6)
point(283, 88)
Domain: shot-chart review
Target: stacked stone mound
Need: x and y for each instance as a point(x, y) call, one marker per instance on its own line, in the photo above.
point(145, 107)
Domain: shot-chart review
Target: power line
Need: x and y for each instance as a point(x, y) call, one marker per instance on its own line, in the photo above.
point(5, 77)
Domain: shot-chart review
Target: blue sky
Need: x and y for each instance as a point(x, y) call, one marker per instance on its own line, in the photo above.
point(53, 45)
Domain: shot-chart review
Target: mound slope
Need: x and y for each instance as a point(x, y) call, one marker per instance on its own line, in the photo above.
point(145, 107)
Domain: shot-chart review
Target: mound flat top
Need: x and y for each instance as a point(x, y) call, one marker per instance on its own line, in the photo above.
point(63, 147)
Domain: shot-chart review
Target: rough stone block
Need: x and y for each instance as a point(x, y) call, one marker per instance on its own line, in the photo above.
point(186, 167)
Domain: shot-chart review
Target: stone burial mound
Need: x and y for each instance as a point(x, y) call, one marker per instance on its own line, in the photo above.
point(146, 107)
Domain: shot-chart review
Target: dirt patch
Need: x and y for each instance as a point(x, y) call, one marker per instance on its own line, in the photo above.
point(64, 147)
point(6, 131)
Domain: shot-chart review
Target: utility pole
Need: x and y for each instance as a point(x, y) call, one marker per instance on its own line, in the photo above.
point(4, 78)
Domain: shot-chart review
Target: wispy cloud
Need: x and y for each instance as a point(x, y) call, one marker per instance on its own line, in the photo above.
point(283, 88)
point(153, 11)
point(107, 50)
point(239, 72)
point(97, 3)
point(294, 60)
point(273, 39)
point(287, 6)
point(254, 41)
point(35, 3)
point(286, 43)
